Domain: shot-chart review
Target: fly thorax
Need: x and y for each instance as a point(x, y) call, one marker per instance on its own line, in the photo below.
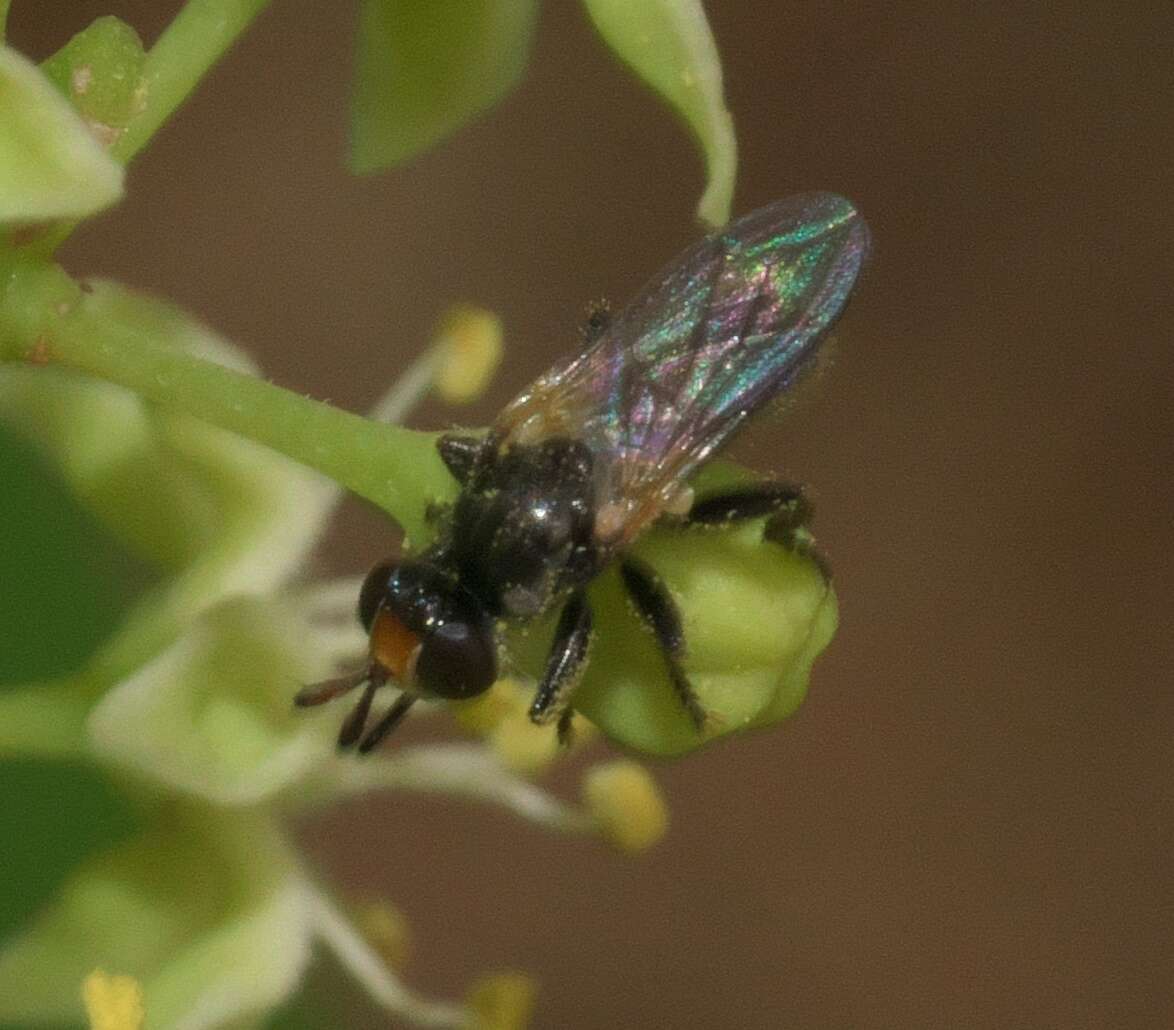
point(520, 529)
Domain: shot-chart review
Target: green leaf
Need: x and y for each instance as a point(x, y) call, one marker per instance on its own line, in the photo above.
point(51, 166)
point(426, 67)
point(53, 816)
point(100, 71)
point(669, 45)
point(65, 583)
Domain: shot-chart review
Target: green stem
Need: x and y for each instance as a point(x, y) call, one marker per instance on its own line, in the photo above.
point(195, 40)
point(4, 4)
point(45, 318)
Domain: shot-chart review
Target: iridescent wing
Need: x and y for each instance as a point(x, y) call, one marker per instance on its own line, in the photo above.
point(719, 332)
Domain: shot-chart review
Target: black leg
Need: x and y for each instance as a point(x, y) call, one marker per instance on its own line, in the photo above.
point(391, 719)
point(597, 321)
point(788, 509)
point(779, 500)
point(459, 453)
point(353, 725)
point(566, 731)
point(659, 611)
point(568, 655)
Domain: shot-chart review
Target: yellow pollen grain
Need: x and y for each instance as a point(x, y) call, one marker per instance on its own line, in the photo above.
point(626, 804)
point(502, 1001)
point(468, 347)
point(481, 715)
point(523, 747)
point(113, 1002)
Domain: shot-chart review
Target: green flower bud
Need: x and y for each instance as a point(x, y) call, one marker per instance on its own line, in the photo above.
point(755, 617)
point(100, 70)
point(51, 166)
point(468, 348)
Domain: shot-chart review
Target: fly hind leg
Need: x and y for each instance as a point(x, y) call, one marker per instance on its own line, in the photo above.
point(659, 611)
point(785, 506)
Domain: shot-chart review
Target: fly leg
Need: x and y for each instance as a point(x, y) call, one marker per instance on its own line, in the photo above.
point(391, 718)
point(788, 509)
point(568, 656)
point(660, 612)
point(566, 729)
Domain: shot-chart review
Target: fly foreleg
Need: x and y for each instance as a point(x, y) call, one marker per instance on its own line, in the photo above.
point(564, 666)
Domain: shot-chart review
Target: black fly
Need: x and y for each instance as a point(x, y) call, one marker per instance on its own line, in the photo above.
point(594, 452)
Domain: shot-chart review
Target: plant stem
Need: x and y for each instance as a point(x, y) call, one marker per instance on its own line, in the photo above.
point(45, 318)
point(195, 40)
point(188, 48)
point(360, 960)
point(4, 19)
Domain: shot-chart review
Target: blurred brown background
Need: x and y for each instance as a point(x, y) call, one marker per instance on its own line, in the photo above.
point(969, 822)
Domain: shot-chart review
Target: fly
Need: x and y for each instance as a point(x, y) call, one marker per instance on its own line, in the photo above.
point(595, 451)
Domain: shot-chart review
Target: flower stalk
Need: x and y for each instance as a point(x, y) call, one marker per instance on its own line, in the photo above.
point(466, 771)
point(188, 48)
point(48, 319)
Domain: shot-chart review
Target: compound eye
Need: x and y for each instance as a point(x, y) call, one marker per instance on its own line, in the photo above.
point(373, 592)
point(457, 660)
